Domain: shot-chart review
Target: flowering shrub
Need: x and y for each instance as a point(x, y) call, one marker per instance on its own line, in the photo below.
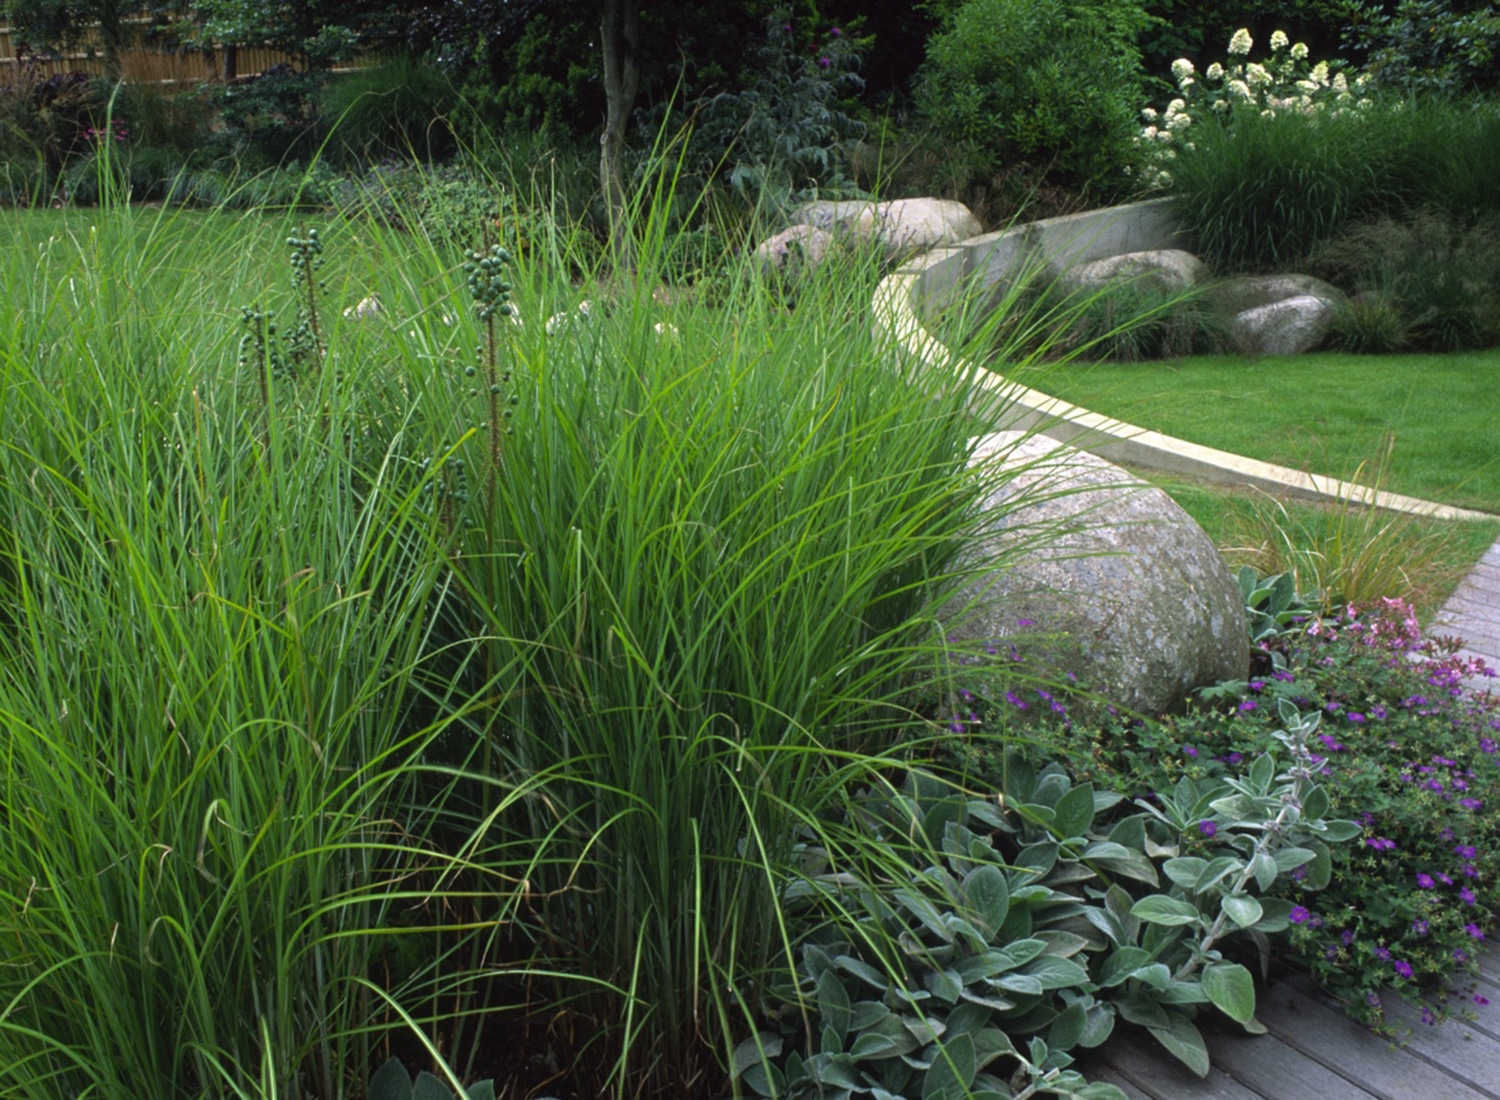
point(1404, 747)
point(1285, 81)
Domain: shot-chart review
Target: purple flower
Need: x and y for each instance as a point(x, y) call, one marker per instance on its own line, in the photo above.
point(836, 33)
point(1378, 712)
point(1444, 879)
point(1420, 927)
point(1299, 914)
point(1015, 700)
point(1481, 999)
point(1466, 851)
point(1355, 716)
point(1489, 746)
point(1347, 937)
point(1470, 871)
point(1429, 1017)
point(824, 62)
point(1380, 843)
point(1467, 895)
point(1372, 999)
point(1470, 803)
point(1383, 954)
point(1026, 622)
point(1190, 752)
point(1207, 828)
point(1257, 685)
point(1247, 705)
point(1474, 930)
point(1403, 968)
point(1424, 880)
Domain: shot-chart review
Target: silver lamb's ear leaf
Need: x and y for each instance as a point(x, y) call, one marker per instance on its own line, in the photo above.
point(390, 1082)
point(429, 1087)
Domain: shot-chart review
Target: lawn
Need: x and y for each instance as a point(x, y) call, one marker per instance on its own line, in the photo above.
point(1326, 413)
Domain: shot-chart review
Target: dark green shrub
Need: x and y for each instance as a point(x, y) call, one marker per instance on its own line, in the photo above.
point(1429, 45)
point(1056, 83)
point(1439, 275)
point(399, 108)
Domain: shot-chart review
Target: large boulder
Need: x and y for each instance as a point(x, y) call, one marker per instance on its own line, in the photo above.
point(1116, 584)
point(1169, 270)
point(1276, 314)
point(901, 227)
point(801, 247)
point(1291, 326)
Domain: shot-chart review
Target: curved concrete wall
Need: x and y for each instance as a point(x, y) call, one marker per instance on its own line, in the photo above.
point(938, 278)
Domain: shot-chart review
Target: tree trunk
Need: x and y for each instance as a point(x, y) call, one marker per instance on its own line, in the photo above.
point(621, 39)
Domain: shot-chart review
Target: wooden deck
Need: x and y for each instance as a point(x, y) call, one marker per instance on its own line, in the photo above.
point(1314, 1051)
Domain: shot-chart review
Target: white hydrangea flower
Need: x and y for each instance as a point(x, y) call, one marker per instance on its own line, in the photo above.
point(1340, 84)
point(1278, 40)
point(1241, 42)
point(1360, 82)
point(1182, 69)
point(1148, 113)
point(1149, 133)
point(1222, 105)
point(1299, 51)
point(1175, 106)
point(1239, 88)
point(1180, 121)
point(1308, 85)
point(1257, 75)
point(1268, 113)
point(1163, 179)
point(1215, 71)
point(1320, 72)
point(1164, 136)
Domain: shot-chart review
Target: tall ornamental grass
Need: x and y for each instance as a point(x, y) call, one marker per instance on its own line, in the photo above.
point(343, 709)
point(1259, 192)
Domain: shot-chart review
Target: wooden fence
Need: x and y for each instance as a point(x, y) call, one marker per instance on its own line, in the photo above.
point(143, 64)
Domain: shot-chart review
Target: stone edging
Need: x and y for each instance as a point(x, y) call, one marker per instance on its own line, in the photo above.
point(939, 274)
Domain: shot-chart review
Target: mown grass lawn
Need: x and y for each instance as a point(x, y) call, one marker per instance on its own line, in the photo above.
point(1327, 413)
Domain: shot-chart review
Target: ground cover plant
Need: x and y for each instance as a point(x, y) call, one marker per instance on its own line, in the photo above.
point(1407, 749)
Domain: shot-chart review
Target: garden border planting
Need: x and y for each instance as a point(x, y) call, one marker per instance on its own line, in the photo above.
point(933, 280)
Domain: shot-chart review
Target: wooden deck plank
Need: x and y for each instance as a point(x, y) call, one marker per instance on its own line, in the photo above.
point(1470, 1055)
point(1271, 1066)
point(1153, 1073)
point(1331, 1038)
point(1096, 1069)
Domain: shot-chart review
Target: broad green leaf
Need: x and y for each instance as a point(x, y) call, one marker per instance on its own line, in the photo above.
point(1121, 963)
point(1130, 832)
point(429, 1087)
point(1099, 1026)
point(1156, 975)
point(953, 1069)
point(1336, 832)
point(1228, 986)
point(390, 1082)
point(481, 1090)
point(1314, 804)
point(1160, 909)
point(867, 1014)
point(988, 892)
point(874, 1046)
point(924, 911)
point(1216, 870)
point(991, 1043)
point(944, 984)
point(1274, 915)
point(1143, 1009)
point(1067, 1029)
point(1182, 993)
point(1064, 944)
point(1289, 859)
point(862, 970)
point(833, 1005)
point(1019, 983)
point(1184, 870)
point(1023, 951)
point(1320, 869)
point(1038, 858)
point(1100, 1090)
point(1262, 772)
point(753, 1051)
point(1184, 1040)
point(1242, 909)
point(1133, 865)
point(1263, 867)
point(1074, 812)
point(1057, 973)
